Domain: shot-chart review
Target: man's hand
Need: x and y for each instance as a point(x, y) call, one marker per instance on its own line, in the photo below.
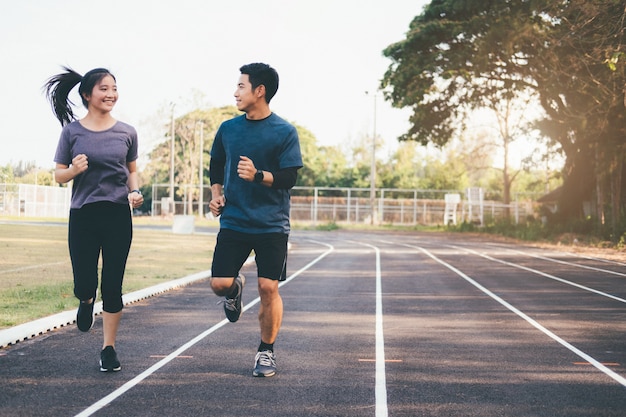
point(217, 205)
point(246, 168)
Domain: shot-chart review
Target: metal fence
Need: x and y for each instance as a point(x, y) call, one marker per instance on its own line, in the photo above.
point(29, 200)
point(317, 205)
point(312, 205)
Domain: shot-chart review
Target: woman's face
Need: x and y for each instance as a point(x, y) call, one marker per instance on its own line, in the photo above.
point(104, 95)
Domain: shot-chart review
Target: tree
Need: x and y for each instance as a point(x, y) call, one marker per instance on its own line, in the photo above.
point(458, 55)
point(187, 148)
point(323, 166)
point(512, 125)
point(590, 103)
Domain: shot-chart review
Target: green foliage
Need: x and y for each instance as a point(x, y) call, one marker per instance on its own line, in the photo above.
point(26, 173)
point(186, 146)
point(37, 275)
point(461, 55)
point(327, 227)
point(7, 174)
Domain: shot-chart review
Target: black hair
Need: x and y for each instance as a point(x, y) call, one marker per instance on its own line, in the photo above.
point(58, 88)
point(262, 74)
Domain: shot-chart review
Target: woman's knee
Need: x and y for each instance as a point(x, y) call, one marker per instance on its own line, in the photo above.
point(112, 306)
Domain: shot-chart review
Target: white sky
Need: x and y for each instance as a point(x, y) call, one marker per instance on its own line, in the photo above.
point(327, 53)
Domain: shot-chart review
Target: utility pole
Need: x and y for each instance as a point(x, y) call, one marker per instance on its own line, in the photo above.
point(172, 136)
point(201, 172)
point(373, 168)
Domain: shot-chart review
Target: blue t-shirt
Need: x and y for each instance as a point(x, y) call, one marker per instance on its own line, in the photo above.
point(272, 144)
point(108, 153)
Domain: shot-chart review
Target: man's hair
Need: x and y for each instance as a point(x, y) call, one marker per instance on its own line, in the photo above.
point(262, 74)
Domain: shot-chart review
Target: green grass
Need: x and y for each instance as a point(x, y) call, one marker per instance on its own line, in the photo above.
point(36, 274)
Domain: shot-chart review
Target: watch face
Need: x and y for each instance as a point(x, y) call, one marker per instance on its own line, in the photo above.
point(258, 177)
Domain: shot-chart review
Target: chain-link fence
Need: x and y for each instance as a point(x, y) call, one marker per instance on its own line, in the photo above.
point(30, 200)
point(312, 205)
point(317, 205)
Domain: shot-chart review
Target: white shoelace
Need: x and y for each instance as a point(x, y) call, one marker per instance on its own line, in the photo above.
point(265, 358)
point(229, 303)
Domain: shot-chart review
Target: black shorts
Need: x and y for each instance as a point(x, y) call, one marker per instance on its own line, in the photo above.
point(233, 248)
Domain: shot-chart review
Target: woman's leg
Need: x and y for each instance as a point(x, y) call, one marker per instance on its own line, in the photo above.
point(84, 248)
point(115, 249)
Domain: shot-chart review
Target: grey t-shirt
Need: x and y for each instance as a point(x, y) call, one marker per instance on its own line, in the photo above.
point(108, 152)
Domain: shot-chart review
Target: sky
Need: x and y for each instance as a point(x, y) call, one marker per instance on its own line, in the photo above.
point(328, 53)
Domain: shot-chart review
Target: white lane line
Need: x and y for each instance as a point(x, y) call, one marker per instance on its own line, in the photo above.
point(145, 374)
point(534, 271)
point(601, 367)
point(570, 254)
point(558, 261)
point(27, 268)
point(381, 380)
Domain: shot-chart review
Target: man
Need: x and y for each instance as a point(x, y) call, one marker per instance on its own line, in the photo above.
point(254, 163)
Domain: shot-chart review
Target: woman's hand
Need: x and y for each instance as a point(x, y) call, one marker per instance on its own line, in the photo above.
point(135, 199)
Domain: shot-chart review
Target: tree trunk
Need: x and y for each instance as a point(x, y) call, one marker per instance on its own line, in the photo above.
point(577, 186)
point(616, 197)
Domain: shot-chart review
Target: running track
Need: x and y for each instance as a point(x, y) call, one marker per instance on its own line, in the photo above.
point(376, 324)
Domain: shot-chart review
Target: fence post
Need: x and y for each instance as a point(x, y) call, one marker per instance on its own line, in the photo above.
point(348, 209)
point(315, 206)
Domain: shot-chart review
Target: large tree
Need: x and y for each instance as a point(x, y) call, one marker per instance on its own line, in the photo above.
point(459, 55)
point(188, 130)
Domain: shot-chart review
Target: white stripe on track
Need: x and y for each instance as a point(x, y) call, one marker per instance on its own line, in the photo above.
point(571, 254)
point(535, 271)
point(615, 376)
point(145, 374)
point(381, 380)
point(593, 268)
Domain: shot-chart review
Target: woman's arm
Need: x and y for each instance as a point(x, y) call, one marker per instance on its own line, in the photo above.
point(64, 173)
point(135, 197)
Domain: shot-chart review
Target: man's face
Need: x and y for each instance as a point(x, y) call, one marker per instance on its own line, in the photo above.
point(245, 98)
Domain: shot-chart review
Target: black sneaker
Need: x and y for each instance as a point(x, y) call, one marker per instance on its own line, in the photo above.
point(234, 306)
point(264, 364)
point(108, 360)
point(84, 317)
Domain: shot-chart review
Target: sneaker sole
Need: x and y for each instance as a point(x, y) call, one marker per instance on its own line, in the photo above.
point(119, 368)
point(260, 375)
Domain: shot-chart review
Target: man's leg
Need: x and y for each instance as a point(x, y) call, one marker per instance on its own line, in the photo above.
point(231, 251)
point(270, 319)
point(270, 310)
point(233, 294)
point(222, 286)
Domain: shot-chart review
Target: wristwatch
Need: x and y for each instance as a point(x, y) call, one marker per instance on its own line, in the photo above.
point(258, 177)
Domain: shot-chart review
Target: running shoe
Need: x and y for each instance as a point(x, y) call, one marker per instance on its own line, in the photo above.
point(84, 316)
point(264, 364)
point(109, 361)
point(234, 306)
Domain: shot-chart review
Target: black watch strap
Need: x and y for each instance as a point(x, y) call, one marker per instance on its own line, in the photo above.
point(258, 177)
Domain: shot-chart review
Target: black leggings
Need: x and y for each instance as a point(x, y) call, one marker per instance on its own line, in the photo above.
point(106, 227)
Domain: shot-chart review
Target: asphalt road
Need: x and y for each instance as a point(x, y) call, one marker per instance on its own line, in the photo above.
point(375, 324)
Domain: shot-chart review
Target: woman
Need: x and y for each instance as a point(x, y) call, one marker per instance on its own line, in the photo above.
point(99, 154)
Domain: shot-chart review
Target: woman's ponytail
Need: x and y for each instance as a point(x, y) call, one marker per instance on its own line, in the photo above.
point(57, 90)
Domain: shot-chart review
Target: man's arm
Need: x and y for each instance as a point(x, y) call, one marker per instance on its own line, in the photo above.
point(216, 176)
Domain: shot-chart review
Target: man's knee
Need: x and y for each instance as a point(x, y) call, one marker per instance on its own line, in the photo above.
point(268, 288)
point(221, 286)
